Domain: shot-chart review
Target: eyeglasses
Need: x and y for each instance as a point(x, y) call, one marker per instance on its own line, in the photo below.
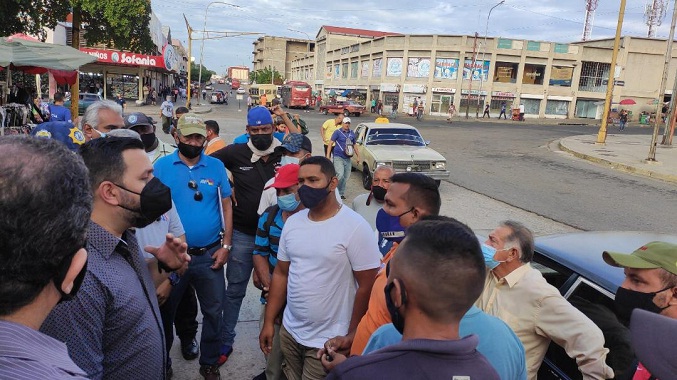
point(193, 186)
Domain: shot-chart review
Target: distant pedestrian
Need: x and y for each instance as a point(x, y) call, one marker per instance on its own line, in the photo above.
point(486, 112)
point(204, 94)
point(373, 105)
point(419, 110)
point(502, 111)
point(452, 112)
point(263, 100)
point(414, 111)
point(521, 111)
point(623, 118)
point(249, 102)
point(307, 105)
point(379, 107)
point(122, 102)
point(343, 138)
point(57, 111)
point(167, 114)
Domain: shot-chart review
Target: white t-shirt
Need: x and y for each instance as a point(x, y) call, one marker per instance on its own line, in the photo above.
point(154, 234)
point(321, 286)
point(167, 108)
point(367, 212)
point(269, 196)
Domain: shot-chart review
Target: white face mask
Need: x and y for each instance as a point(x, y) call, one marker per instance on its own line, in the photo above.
point(288, 160)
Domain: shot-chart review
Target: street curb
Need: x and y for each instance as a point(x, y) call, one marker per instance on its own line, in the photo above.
point(206, 110)
point(618, 166)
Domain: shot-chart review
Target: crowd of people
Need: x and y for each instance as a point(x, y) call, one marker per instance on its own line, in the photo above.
point(109, 244)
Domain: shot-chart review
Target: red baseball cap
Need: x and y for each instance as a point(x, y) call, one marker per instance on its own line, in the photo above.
point(286, 176)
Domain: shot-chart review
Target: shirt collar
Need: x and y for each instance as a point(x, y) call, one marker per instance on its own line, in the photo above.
point(105, 243)
point(215, 139)
point(177, 160)
point(22, 342)
point(515, 276)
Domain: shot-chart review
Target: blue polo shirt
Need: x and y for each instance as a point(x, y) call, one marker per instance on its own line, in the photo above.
point(200, 219)
point(341, 139)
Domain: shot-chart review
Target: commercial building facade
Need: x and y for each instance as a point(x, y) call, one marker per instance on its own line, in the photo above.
point(551, 80)
point(277, 53)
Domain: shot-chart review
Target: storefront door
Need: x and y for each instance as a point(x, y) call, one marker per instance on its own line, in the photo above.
point(440, 104)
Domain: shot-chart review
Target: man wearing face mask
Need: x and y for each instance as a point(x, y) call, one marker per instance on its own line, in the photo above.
point(272, 220)
point(410, 197)
point(344, 139)
point(100, 118)
point(440, 258)
point(195, 179)
point(650, 284)
point(327, 261)
point(42, 255)
point(369, 204)
point(112, 326)
point(145, 127)
point(252, 165)
point(517, 293)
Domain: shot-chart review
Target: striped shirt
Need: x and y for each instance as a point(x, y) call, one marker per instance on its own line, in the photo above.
point(29, 354)
point(112, 326)
point(268, 237)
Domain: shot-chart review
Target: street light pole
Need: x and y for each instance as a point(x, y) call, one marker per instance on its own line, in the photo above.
point(202, 46)
point(484, 50)
point(190, 45)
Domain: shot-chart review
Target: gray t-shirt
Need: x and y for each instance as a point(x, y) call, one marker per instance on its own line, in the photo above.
point(154, 234)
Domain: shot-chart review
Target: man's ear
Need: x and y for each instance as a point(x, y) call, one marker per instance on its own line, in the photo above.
point(333, 183)
point(88, 131)
point(78, 262)
point(108, 193)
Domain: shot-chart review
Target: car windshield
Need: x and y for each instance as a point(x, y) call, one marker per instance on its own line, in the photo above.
point(395, 136)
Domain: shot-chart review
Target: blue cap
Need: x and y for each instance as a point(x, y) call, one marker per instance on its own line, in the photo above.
point(259, 115)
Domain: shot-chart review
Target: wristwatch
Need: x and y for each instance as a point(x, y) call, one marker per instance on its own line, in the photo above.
point(174, 278)
point(227, 246)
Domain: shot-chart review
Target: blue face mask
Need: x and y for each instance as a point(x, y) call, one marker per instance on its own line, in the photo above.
point(288, 202)
point(288, 160)
point(489, 252)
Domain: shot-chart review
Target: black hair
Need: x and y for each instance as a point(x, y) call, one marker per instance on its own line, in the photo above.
point(212, 125)
point(326, 166)
point(181, 110)
point(58, 97)
point(45, 206)
point(103, 157)
point(423, 191)
point(443, 264)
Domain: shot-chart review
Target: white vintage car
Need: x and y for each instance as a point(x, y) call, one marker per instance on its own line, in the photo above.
point(398, 145)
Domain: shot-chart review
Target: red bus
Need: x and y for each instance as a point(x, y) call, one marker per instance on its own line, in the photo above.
point(235, 84)
point(294, 94)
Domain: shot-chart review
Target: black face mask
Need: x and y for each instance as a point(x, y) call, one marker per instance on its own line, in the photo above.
point(148, 140)
point(627, 300)
point(189, 151)
point(60, 275)
point(261, 142)
point(156, 199)
point(379, 193)
point(395, 316)
point(311, 197)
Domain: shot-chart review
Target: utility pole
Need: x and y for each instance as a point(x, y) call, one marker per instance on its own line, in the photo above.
point(670, 130)
point(75, 44)
point(601, 134)
point(661, 91)
point(472, 67)
point(190, 45)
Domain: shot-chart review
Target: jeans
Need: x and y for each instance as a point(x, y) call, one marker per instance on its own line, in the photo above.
point(185, 318)
point(342, 167)
point(238, 272)
point(210, 288)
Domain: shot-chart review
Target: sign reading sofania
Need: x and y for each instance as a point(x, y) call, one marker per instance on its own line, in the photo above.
point(126, 58)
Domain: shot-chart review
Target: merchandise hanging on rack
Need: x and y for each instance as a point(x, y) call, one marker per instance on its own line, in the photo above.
point(14, 119)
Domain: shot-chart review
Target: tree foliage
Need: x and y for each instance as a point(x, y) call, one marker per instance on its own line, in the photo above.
point(195, 73)
point(264, 76)
point(122, 24)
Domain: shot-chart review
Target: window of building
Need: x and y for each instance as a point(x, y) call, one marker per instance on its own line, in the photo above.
point(561, 76)
point(344, 70)
point(504, 43)
point(561, 48)
point(497, 102)
point(440, 102)
point(592, 75)
point(533, 74)
point(472, 101)
point(532, 106)
point(365, 69)
point(376, 68)
point(533, 46)
point(353, 69)
point(337, 70)
point(557, 107)
point(506, 72)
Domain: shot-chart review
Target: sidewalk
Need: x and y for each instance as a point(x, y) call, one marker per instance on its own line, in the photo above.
point(627, 153)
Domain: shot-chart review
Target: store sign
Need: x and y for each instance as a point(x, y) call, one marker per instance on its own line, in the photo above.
point(474, 92)
point(415, 88)
point(447, 90)
point(503, 94)
point(389, 87)
point(125, 58)
point(170, 58)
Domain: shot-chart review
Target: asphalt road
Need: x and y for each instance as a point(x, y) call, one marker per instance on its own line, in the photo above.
point(519, 164)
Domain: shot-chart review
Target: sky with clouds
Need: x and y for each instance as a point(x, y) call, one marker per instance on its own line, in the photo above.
point(545, 20)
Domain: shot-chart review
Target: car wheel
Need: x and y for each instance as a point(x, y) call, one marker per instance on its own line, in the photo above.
point(346, 113)
point(366, 177)
point(325, 111)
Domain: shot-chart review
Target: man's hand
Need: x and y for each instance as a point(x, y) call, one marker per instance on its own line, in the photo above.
point(278, 111)
point(340, 344)
point(220, 257)
point(330, 359)
point(173, 253)
point(266, 338)
point(162, 292)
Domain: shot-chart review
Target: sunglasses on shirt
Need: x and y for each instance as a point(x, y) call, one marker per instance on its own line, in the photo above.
point(193, 186)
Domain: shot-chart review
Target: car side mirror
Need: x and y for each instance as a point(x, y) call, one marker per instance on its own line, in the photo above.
point(427, 142)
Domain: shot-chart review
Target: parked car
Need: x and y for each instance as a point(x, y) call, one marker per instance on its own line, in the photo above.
point(209, 87)
point(218, 97)
point(573, 263)
point(398, 145)
point(84, 100)
point(221, 81)
point(347, 108)
point(241, 91)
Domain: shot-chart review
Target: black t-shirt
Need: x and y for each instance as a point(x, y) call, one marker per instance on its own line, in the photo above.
point(248, 183)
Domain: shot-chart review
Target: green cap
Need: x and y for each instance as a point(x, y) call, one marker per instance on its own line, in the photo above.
point(190, 124)
point(656, 254)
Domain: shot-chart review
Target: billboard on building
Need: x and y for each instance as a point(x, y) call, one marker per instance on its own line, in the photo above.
point(394, 67)
point(418, 68)
point(479, 70)
point(376, 69)
point(446, 68)
point(561, 76)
